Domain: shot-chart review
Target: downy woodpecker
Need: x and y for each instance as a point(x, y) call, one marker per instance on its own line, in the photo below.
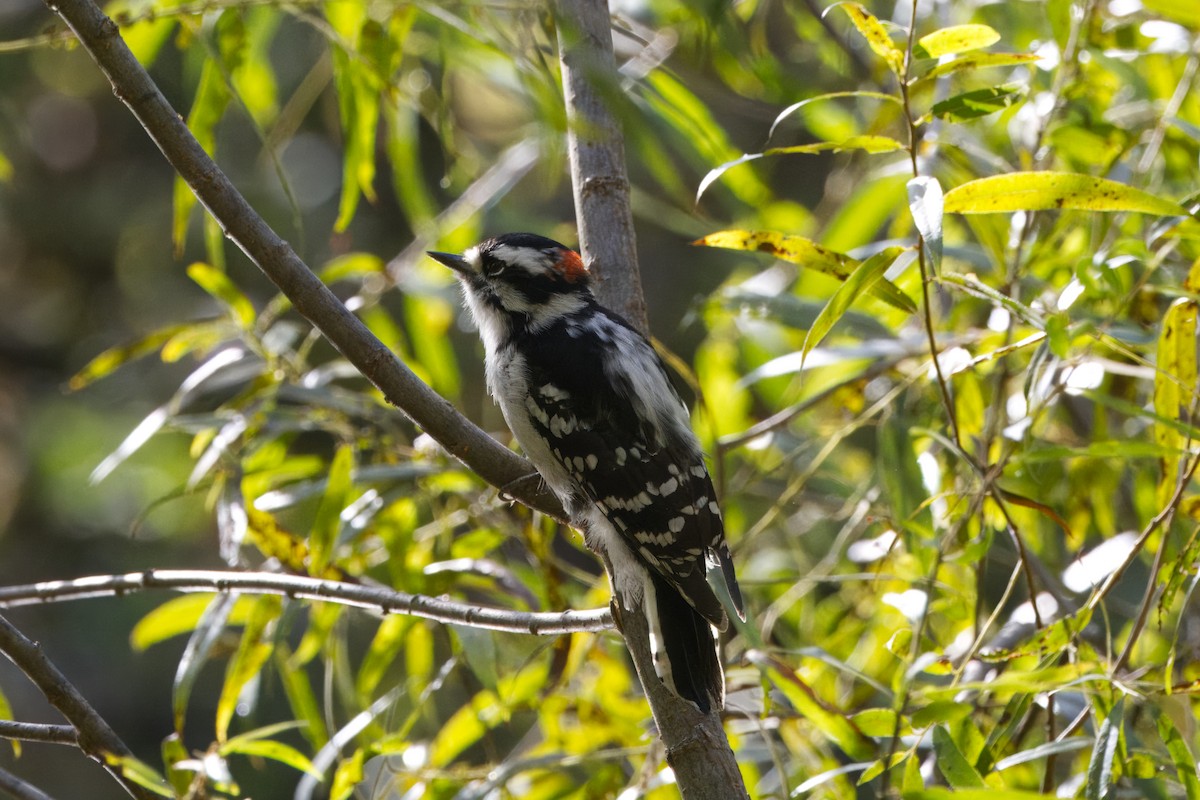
point(590, 403)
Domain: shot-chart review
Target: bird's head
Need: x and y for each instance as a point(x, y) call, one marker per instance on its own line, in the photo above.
point(520, 280)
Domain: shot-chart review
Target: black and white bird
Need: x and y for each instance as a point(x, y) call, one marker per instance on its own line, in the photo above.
point(590, 403)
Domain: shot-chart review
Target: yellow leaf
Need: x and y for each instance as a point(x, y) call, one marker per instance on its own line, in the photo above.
point(876, 35)
point(1040, 191)
point(958, 39)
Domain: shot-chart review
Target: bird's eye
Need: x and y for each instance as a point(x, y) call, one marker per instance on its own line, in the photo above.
point(494, 268)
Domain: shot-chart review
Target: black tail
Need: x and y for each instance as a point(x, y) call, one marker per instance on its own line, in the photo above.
point(685, 648)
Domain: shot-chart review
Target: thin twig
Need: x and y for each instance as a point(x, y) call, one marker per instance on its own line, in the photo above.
point(378, 598)
point(38, 732)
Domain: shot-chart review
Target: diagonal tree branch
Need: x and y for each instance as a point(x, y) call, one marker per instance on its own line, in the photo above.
point(19, 789)
point(378, 598)
point(96, 738)
point(133, 86)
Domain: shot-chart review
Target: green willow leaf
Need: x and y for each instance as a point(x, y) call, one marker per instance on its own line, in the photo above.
point(1181, 756)
point(861, 280)
point(253, 651)
point(1041, 191)
point(977, 61)
point(221, 288)
point(794, 107)
point(976, 103)
point(867, 143)
point(951, 762)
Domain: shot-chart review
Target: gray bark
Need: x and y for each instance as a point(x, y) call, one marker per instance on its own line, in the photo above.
point(697, 748)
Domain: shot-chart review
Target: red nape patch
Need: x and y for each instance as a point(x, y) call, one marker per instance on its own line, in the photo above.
point(571, 266)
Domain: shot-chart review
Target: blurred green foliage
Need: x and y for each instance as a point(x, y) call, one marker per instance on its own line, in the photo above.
point(970, 573)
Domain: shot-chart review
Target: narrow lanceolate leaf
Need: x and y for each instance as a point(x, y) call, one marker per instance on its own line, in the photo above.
point(1174, 387)
point(253, 651)
point(867, 143)
point(956, 39)
point(876, 35)
point(104, 364)
point(978, 61)
point(806, 253)
point(276, 751)
point(794, 107)
point(925, 203)
point(940, 793)
point(1100, 769)
point(954, 766)
point(221, 288)
point(327, 524)
point(6, 714)
point(1041, 191)
point(1181, 756)
point(976, 103)
point(863, 279)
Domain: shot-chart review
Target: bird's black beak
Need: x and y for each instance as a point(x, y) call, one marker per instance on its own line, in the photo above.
point(453, 261)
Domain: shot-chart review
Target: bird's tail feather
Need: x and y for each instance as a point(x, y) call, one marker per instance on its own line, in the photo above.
point(684, 646)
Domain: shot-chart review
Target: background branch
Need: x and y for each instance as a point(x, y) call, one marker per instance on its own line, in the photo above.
point(378, 598)
point(96, 738)
point(19, 789)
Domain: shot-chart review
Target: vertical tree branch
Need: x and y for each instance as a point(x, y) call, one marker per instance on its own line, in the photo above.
point(597, 152)
point(697, 748)
point(96, 738)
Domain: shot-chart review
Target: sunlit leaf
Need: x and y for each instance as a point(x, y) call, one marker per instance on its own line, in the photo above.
point(114, 357)
point(142, 774)
point(1039, 191)
point(806, 253)
point(1184, 12)
point(989, 793)
point(328, 522)
point(794, 107)
point(218, 284)
point(876, 35)
point(349, 266)
point(274, 750)
point(956, 39)
point(1174, 387)
point(830, 722)
point(979, 61)
point(866, 143)
point(390, 638)
point(6, 713)
point(253, 651)
point(348, 774)
point(180, 615)
point(301, 698)
point(977, 103)
point(861, 280)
